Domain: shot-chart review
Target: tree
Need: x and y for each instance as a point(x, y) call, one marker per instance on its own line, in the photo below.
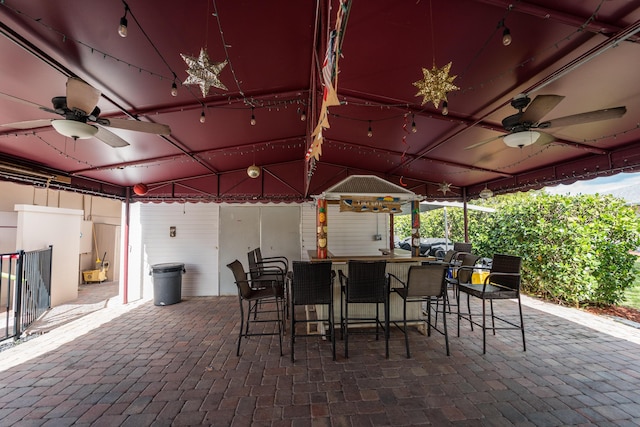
point(575, 249)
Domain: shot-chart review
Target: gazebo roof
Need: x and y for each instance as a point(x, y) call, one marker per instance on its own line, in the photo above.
point(368, 185)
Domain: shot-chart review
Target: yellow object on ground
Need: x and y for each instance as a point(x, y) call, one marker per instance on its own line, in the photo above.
point(479, 276)
point(99, 275)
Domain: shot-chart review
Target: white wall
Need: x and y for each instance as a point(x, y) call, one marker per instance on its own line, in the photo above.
point(8, 228)
point(96, 210)
point(275, 228)
point(195, 243)
point(135, 280)
point(40, 227)
point(349, 233)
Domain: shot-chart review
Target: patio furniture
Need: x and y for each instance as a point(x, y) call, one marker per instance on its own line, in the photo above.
point(502, 282)
point(260, 300)
point(462, 247)
point(283, 262)
point(311, 285)
point(265, 271)
point(463, 259)
point(365, 283)
point(425, 283)
point(452, 260)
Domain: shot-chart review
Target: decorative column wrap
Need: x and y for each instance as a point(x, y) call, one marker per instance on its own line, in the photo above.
point(321, 235)
point(415, 228)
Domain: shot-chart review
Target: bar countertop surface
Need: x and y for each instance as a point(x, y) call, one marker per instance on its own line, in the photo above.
point(398, 255)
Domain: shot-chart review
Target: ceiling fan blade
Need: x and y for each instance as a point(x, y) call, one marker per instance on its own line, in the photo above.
point(22, 101)
point(110, 138)
point(135, 125)
point(588, 117)
point(545, 138)
point(81, 95)
point(486, 141)
point(29, 124)
point(539, 107)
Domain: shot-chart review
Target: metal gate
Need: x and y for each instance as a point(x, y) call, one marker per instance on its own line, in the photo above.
point(25, 289)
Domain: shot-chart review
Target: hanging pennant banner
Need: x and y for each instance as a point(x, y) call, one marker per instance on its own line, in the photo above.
point(385, 204)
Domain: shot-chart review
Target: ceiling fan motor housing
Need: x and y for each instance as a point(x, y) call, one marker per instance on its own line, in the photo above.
point(520, 102)
point(512, 123)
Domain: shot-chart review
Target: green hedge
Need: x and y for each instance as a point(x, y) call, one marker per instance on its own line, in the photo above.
point(575, 249)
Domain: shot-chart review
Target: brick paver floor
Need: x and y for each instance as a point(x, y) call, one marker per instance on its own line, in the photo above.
point(140, 365)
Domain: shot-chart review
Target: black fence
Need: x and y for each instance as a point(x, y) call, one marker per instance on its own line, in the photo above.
point(25, 289)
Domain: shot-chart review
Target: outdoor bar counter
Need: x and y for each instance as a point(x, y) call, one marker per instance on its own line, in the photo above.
point(398, 263)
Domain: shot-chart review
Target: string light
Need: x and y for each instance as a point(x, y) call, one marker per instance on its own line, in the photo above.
point(174, 89)
point(370, 131)
point(506, 34)
point(445, 108)
point(253, 118)
point(414, 129)
point(506, 37)
point(122, 28)
point(203, 118)
point(491, 80)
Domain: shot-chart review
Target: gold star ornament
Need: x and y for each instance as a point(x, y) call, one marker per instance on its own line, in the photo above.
point(435, 84)
point(203, 73)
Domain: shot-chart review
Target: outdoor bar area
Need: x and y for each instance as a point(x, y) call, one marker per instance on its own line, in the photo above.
point(369, 195)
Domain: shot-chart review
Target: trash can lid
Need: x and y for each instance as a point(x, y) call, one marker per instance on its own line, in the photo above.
point(167, 267)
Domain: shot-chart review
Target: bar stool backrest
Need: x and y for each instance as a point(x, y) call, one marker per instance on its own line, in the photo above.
point(426, 280)
point(367, 281)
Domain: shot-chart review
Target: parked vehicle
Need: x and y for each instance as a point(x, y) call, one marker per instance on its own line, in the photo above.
point(429, 246)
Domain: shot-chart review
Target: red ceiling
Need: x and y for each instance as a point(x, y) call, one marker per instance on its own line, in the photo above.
point(570, 48)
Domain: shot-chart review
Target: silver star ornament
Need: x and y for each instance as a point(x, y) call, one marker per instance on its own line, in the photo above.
point(203, 73)
point(444, 187)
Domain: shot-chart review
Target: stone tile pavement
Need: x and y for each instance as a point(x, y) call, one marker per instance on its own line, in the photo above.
point(142, 365)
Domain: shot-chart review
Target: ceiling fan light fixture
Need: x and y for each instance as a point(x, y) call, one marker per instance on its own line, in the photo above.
point(74, 129)
point(521, 139)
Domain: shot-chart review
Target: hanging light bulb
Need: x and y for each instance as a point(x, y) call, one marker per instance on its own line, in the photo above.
point(303, 116)
point(506, 37)
point(122, 28)
point(506, 34)
point(174, 89)
point(253, 118)
point(414, 129)
point(253, 171)
point(445, 108)
point(486, 193)
point(370, 131)
point(203, 118)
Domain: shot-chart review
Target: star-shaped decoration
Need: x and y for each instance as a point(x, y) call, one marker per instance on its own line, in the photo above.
point(203, 73)
point(445, 187)
point(435, 84)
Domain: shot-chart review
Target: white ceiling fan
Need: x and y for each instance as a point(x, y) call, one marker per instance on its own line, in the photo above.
point(81, 116)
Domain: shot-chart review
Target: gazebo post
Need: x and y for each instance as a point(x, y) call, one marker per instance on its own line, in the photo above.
point(321, 228)
point(415, 228)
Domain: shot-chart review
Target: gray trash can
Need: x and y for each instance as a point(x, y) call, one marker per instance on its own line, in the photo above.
point(167, 283)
